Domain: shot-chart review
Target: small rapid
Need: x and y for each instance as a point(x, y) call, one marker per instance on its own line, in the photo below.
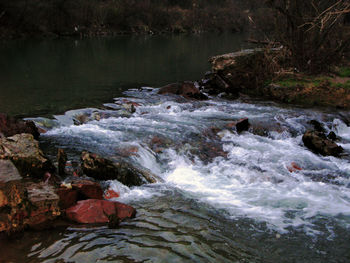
point(222, 196)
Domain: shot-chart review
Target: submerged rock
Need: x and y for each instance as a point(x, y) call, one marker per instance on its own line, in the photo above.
point(318, 142)
point(186, 89)
point(23, 150)
point(103, 169)
point(99, 211)
point(11, 126)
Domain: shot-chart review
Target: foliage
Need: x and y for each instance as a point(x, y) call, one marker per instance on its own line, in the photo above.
point(104, 16)
point(344, 72)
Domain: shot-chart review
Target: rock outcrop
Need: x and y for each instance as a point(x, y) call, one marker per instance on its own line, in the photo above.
point(100, 168)
point(319, 143)
point(24, 203)
point(23, 150)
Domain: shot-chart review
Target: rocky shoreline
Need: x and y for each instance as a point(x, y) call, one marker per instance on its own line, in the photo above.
point(249, 72)
point(34, 192)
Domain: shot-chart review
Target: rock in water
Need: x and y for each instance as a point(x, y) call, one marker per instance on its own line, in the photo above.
point(240, 125)
point(186, 89)
point(103, 169)
point(99, 211)
point(62, 160)
point(24, 203)
point(318, 142)
point(23, 150)
point(10, 126)
point(87, 189)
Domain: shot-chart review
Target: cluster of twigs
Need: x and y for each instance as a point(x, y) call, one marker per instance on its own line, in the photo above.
point(313, 31)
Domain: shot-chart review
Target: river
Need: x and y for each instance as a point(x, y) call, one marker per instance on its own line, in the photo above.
point(221, 197)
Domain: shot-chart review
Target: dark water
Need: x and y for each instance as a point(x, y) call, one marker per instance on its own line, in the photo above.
point(38, 78)
point(241, 206)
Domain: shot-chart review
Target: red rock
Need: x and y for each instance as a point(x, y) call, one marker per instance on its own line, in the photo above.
point(109, 194)
point(88, 189)
point(99, 211)
point(293, 167)
point(186, 89)
point(67, 197)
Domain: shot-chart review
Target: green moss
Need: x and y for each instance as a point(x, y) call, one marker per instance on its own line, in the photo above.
point(344, 72)
point(289, 83)
point(309, 81)
point(345, 85)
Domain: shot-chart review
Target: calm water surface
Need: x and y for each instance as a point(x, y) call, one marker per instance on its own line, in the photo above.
point(51, 76)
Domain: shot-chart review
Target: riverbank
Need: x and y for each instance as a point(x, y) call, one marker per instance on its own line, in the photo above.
point(258, 73)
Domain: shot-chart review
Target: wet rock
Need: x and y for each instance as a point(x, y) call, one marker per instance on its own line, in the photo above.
point(24, 203)
point(317, 126)
point(11, 126)
point(61, 160)
point(294, 167)
point(185, 89)
point(103, 169)
point(99, 211)
point(67, 197)
point(23, 150)
point(87, 189)
point(43, 203)
point(109, 194)
point(214, 84)
point(240, 125)
point(332, 136)
point(318, 142)
point(129, 151)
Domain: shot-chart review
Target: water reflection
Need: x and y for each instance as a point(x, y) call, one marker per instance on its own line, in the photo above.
point(39, 78)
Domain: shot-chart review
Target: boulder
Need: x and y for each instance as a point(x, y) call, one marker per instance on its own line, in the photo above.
point(24, 203)
point(23, 150)
point(103, 169)
point(87, 189)
point(43, 203)
point(67, 197)
point(99, 211)
point(186, 89)
point(319, 143)
point(11, 126)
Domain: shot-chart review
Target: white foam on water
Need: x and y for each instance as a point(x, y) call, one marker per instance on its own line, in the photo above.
point(253, 181)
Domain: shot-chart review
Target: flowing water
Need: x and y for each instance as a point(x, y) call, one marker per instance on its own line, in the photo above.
point(221, 196)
